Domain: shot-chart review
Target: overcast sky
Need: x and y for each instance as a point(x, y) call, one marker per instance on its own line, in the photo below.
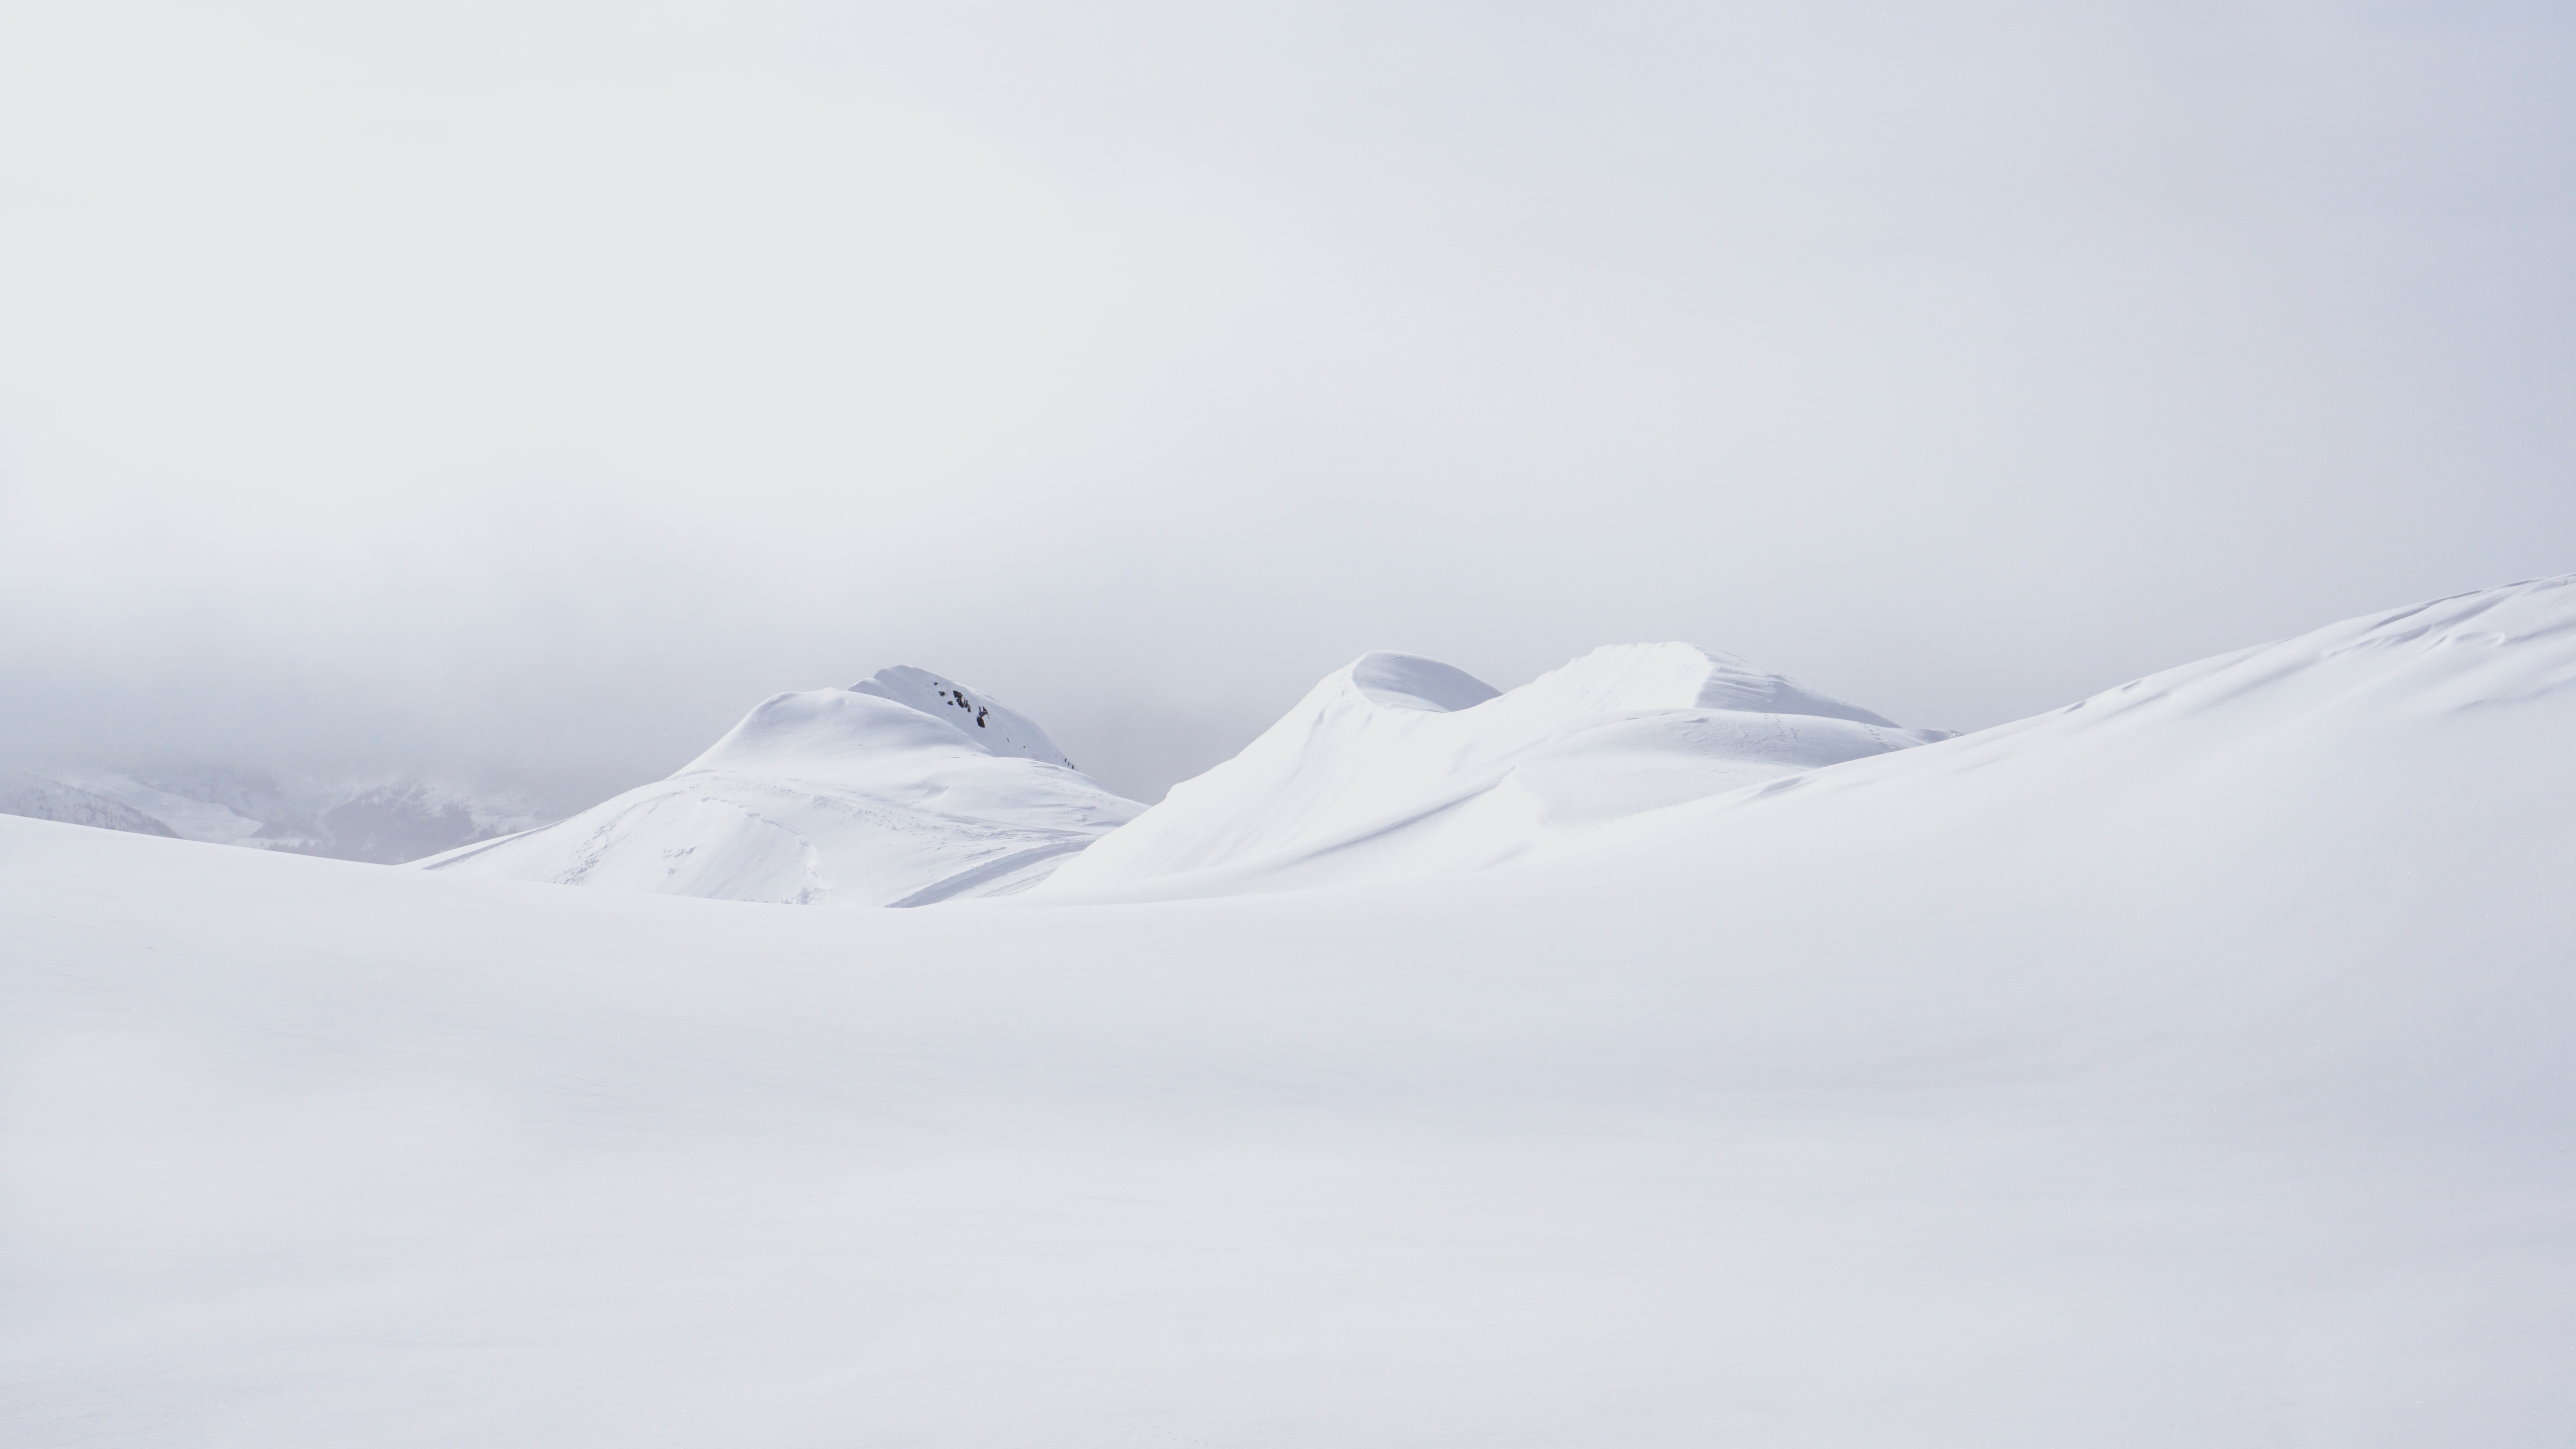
point(521, 391)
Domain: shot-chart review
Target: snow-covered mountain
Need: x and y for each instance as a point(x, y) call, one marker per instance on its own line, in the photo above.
point(904, 789)
point(1401, 766)
point(382, 821)
point(2192, 1065)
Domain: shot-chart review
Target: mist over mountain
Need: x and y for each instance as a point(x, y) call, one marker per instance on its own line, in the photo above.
point(514, 397)
point(39, 798)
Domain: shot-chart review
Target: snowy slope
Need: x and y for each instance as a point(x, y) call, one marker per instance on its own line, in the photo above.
point(1401, 766)
point(2193, 1066)
point(903, 789)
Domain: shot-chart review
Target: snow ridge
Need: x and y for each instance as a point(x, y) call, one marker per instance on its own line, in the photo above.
point(1396, 765)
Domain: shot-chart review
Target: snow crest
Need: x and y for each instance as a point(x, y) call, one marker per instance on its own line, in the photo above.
point(1403, 766)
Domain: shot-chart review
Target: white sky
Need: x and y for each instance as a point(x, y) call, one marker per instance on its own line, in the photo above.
point(522, 391)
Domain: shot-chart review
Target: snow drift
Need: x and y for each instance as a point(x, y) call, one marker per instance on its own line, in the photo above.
point(903, 789)
point(1401, 766)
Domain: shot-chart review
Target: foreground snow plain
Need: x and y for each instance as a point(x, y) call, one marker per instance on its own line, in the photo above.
point(2189, 1066)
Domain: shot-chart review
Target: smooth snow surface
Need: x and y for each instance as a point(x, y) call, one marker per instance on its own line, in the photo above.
point(903, 789)
point(2196, 1065)
point(1402, 766)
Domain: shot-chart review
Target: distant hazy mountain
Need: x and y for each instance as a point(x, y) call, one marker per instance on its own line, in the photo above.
point(385, 821)
point(39, 798)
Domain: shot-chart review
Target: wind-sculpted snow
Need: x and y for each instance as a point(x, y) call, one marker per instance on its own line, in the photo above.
point(2196, 1065)
point(1401, 766)
point(903, 789)
point(2435, 665)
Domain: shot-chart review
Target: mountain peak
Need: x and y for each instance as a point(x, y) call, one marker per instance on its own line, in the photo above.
point(902, 789)
point(994, 727)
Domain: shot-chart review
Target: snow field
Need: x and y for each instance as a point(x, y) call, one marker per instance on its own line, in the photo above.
point(2189, 1066)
